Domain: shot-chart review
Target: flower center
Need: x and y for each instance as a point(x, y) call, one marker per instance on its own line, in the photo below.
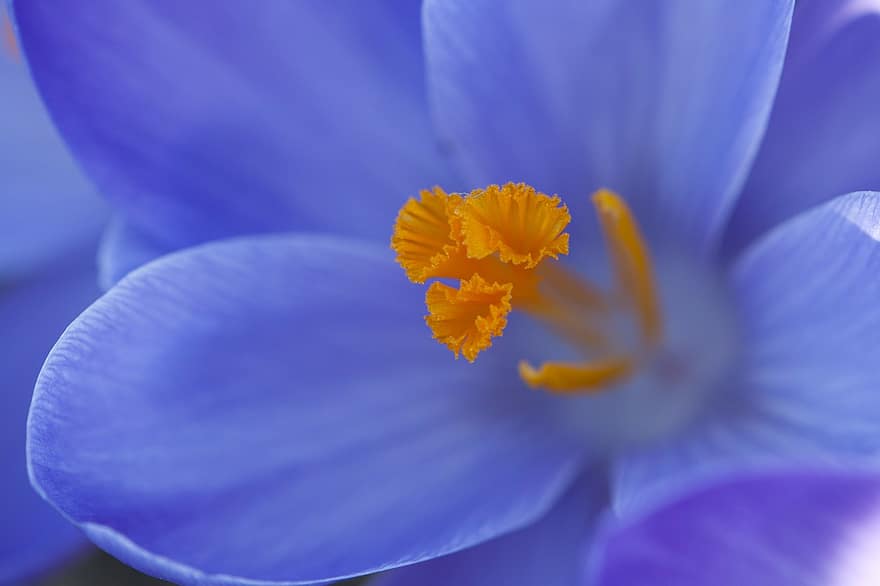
point(501, 245)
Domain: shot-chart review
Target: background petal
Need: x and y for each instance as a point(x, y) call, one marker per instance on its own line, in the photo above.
point(210, 118)
point(275, 409)
point(824, 134)
point(123, 249)
point(663, 102)
point(548, 552)
point(791, 529)
point(46, 206)
point(807, 384)
point(33, 537)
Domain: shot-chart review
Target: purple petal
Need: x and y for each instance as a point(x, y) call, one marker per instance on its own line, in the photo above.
point(664, 102)
point(824, 134)
point(549, 552)
point(204, 119)
point(123, 249)
point(46, 206)
point(274, 410)
point(33, 537)
point(807, 385)
point(771, 530)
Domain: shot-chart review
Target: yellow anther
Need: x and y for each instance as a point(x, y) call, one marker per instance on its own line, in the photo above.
point(515, 221)
point(563, 377)
point(426, 234)
point(10, 41)
point(632, 263)
point(466, 319)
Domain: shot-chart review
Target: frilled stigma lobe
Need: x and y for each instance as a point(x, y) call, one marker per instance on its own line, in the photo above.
point(523, 226)
point(490, 241)
point(501, 244)
point(466, 319)
point(425, 237)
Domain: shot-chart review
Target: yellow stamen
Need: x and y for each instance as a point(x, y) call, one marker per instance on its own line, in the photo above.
point(520, 224)
point(631, 261)
point(466, 319)
point(10, 41)
point(563, 377)
point(494, 242)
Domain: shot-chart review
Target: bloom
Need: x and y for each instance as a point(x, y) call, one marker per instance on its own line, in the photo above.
point(49, 224)
point(249, 410)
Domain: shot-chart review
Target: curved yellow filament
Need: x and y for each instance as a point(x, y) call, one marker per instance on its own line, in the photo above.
point(632, 263)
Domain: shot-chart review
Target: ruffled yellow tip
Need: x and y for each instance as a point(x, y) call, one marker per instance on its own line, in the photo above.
point(522, 225)
point(492, 241)
point(426, 234)
point(489, 240)
point(466, 319)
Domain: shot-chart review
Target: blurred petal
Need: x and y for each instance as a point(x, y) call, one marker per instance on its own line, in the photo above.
point(274, 409)
point(824, 134)
point(663, 102)
point(123, 249)
point(546, 553)
point(33, 537)
point(46, 206)
point(791, 529)
point(806, 391)
point(205, 119)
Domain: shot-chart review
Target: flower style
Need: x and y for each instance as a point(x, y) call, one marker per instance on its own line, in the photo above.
point(49, 225)
point(271, 408)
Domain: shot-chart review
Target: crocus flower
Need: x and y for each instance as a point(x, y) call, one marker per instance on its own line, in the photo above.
point(271, 409)
point(765, 539)
point(49, 223)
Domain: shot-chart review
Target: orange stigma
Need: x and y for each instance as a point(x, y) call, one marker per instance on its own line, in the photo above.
point(501, 244)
